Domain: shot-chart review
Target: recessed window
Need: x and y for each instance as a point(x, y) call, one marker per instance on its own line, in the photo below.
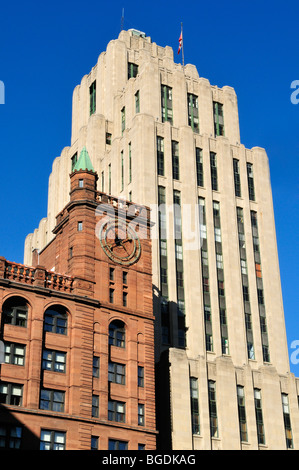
point(175, 160)
point(114, 444)
point(52, 400)
point(137, 102)
point(132, 70)
point(11, 393)
point(81, 183)
point(15, 312)
point(218, 118)
point(194, 405)
point(94, 443)
point(108, 138)
point(52, 440)
point(54, 361)
point(117, 334)
point(14, 354)
point(193, 120)
point(80, 226)
point(140, 376)
point(125, 299)
point(140, 414)
point(214, 176)
point(166, 103)
point(116, 411)
point(117, 373)
point(92, 98)
point(96, 366)
point(160, 155)
point(10, 436)
point(55, 320)
point(111, 274)
point(95, 406)
point(111, 296)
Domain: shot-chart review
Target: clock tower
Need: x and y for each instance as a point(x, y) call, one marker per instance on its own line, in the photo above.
point(103, 244)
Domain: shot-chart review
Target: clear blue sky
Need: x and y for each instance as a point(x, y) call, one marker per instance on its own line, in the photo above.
point(46, 48)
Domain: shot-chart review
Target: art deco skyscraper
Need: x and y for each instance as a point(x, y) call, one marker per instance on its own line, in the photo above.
point(159, 134)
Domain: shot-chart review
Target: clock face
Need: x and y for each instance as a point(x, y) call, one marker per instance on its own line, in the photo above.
point(120, 242)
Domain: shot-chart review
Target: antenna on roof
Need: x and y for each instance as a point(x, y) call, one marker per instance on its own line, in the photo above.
point(122, 19)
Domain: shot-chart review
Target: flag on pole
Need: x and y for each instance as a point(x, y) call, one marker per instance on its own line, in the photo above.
point(180, 42)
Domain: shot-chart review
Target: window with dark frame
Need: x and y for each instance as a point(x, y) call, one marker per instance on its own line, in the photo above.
point(14, 353)
point(117, 373)
point(193, 121)
point(54, 361)
point(92, 98)
point(194, 405)
point(52, 400)
point(166, 104)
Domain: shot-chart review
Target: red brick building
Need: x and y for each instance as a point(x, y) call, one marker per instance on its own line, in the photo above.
point(78, 330)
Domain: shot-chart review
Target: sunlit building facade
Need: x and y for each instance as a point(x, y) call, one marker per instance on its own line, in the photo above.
point(159, 134)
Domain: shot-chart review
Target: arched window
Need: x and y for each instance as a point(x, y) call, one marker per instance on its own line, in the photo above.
point(55, 320)
point(117, 334)
point(15, 311)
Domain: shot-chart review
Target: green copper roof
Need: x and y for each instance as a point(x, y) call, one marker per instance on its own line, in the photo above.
point(84, 162)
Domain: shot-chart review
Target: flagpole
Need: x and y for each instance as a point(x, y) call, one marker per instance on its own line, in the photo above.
point(182, 45)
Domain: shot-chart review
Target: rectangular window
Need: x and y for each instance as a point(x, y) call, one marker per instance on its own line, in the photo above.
point(213, 408)
point(214, 176)
point(102, 181)
point(218, 118)
point(259, 416)
point(52, 400)
point(193, 120)
point(92, 98)
point(96, 366)
point(117, 373)
point(125, 277)
point(287, 421)
point(74, 161)
point(166, 103)
point(140, 376)
point(130, 162)
point(251, 191)
point(95, 406)
point(132, 70)
point(137, 102)
point(10, 436)
point(52, 440)
point(199, 167)
point(140, 414)
point(125, 299)
point(54, 361)
point(175, 160)
point(109, 174)
point(108, 138)
point(116, 411)
point(11, 393)
point(242, 413)
point(122, 169)
point(80, 226)
point(14, 354)
point(123, 120)
point(111, 274)
point(237, 177)
point(194, 405)
point(111, 296)
point(94, 443)
point(117, 445)
point(160, 155)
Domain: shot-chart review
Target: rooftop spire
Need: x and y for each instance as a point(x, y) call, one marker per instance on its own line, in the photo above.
point(84, 162)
